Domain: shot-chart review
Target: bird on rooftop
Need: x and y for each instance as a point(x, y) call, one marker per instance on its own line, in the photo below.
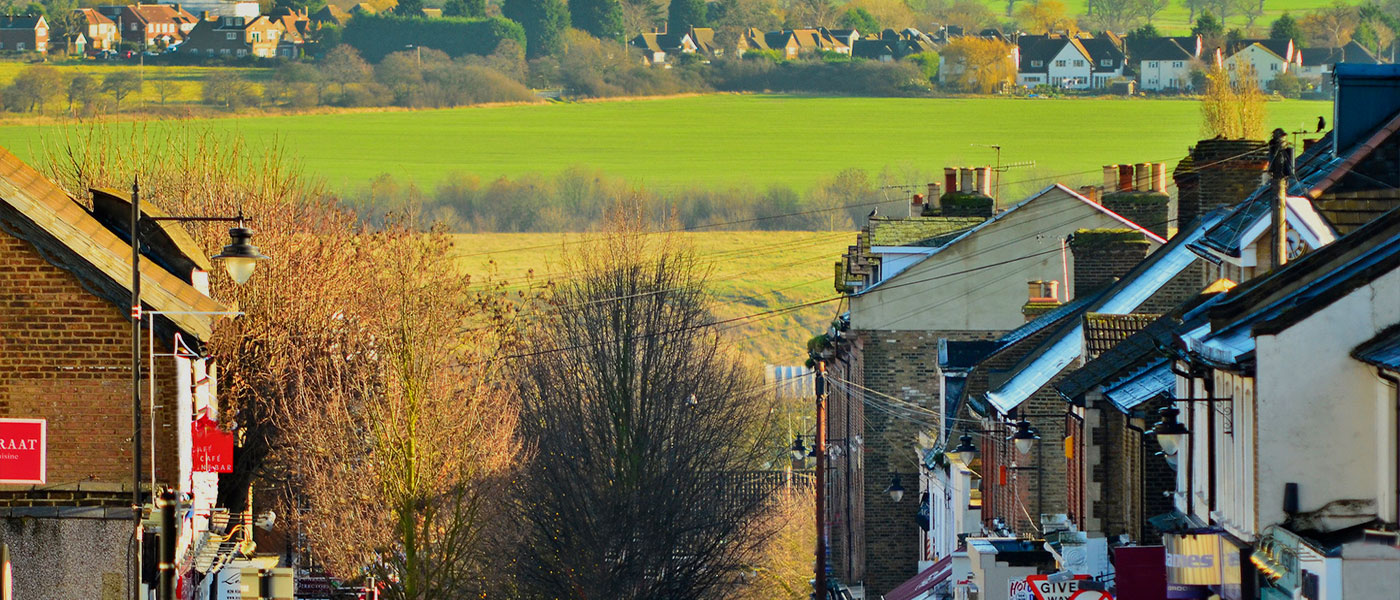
point(874, 212)
point(1321, 124)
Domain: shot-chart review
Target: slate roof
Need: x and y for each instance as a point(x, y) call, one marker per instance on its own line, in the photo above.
point(1101, 49)
point(19, 22)
point(36, 210)
point(1160, 49)
point(1072, 307)
point(1067, 344)
point(1150, 381)
point(1352, 52)
point(963, 355)
point(1382, 350)
point(1039, 49)
point(1272, 303)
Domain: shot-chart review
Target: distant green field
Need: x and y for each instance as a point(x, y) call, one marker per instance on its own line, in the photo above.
point(1174, 19)
point(749, 271)
point(186, 81)
point(730, 140)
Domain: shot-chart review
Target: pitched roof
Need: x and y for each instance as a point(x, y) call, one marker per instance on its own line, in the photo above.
point(1104, 331)
point(93, 17)
point(1352, 52)
point(1148, 381)
point(1161, 49)
point(969, 232)
point(1123, 297)
point(38, 211)
point(1038, 50)
point(1383, 350)
point(1101, 49)
point(26, 22)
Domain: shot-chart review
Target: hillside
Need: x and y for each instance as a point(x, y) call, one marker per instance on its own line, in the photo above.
point(751, 272)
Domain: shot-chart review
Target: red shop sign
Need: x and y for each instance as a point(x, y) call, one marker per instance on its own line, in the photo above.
point(212, 449)
point(23, 450)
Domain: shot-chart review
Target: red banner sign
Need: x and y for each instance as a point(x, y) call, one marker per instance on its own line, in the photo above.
point(23, 450)
point(212, 449)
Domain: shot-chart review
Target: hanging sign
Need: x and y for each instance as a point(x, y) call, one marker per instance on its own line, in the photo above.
point(23, 451)
point(212, 449)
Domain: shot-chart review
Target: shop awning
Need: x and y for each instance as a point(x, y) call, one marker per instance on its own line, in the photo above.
point(924, 581)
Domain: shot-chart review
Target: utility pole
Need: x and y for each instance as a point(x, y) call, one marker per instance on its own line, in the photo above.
point(819, 579)
point(1280, 168)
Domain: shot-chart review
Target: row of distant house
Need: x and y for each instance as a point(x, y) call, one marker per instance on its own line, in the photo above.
point(1075, 62)
point(214, 28)
point(1164, 64)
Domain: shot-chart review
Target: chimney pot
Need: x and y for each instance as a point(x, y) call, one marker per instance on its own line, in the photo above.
point(1091, 192)
point(935, 191)
point(1159, 178)
point(985, 178)
point(950, 179)
point(966, 183)
point(1110, 178)
point(1143, 182)
point(916, 205)
point(1125, 179)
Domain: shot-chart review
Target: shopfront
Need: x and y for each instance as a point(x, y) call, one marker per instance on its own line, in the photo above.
point(1200, 565)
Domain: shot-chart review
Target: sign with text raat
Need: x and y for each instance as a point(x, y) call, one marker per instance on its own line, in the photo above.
point(23, 450)
point(1044, 589)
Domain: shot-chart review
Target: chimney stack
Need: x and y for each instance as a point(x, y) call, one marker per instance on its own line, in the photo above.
point(1102, 256)
point(1140, 195)
point(1041, 297)
point(1218, 173)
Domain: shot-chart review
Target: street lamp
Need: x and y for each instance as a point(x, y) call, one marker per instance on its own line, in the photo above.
point(1025, 437)
point(239, 258)
point(799, 451)
point(896, 489)
point(1170, 432)
point(965, 452)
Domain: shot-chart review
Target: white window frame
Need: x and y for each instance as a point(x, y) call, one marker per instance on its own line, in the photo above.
point(1060, 63)
point(230, 35)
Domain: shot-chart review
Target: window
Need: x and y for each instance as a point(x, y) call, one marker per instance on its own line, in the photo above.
point(1107, 62)
point(257, 37)
point(19, 46)
point(1273, 67)
point(1059, 63)
point(223, 50)
point(1078, 63)
point(230, 36)
point(272, 35)
point(242, 52)
point(1037, 63)
point(133, 27)
point(1176, 64)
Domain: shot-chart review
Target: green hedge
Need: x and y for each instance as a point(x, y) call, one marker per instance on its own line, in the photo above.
point(377, 36)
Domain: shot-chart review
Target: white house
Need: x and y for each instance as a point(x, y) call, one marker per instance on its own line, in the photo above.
point(1165, 66)
point(1054, 60)
point(1315, 64)
point(1270, 58)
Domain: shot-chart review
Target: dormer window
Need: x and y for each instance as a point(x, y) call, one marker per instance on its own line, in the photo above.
point(1107, 62)
point(1037, 63)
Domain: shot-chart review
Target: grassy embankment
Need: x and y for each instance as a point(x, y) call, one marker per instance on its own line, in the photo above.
point(750, 272)
point(730, 140)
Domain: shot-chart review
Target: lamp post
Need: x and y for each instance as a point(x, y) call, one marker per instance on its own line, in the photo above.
point(239, 257)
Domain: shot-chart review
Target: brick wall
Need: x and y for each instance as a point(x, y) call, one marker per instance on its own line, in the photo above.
point(65, 356)
point(886, 537)
point(845, 505)
point(1101, 257)
point(1223, 173)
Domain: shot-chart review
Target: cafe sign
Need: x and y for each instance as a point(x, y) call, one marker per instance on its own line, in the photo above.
point(23, 451)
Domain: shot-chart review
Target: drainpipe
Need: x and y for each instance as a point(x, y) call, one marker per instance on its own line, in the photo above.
point(1395, 383)
point(1190, 418)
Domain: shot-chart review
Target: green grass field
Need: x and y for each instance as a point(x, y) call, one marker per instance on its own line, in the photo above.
point(749, 272)
point(1174, 19)
point(185, 81)
point(729, 140)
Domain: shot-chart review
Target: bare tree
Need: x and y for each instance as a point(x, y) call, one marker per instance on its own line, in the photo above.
point(639, 420)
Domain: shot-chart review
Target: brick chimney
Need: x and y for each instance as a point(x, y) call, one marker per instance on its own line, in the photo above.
point(1145, 201)
point(1041, 297)
point(968, 193)
point(1218, 173)
point(1102, 256)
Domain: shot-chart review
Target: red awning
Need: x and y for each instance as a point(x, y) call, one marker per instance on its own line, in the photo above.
point(924, 581)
